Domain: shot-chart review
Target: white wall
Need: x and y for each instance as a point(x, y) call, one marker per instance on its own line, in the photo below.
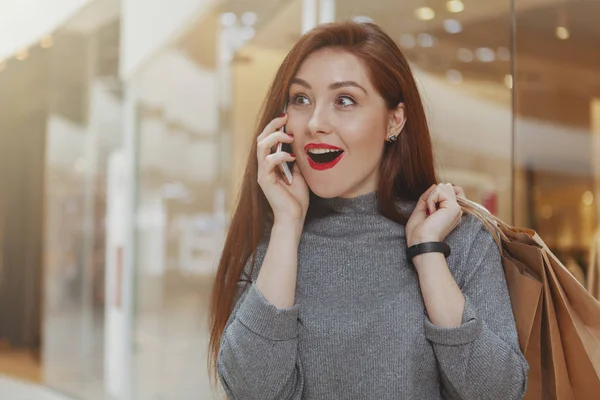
point(24, 22)
point(148, 25)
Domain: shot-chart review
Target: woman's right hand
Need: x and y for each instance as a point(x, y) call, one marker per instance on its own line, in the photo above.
point(289, 202)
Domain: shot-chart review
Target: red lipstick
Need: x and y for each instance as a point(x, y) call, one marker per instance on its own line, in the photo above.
point(326, 165)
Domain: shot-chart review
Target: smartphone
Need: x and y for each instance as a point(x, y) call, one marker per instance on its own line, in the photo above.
point(286, 167)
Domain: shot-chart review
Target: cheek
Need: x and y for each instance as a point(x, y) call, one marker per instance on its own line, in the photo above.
point(296, 123)
point(365, 135)
point(295, 127)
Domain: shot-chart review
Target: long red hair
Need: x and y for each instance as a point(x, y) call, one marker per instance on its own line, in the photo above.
point(407, 166)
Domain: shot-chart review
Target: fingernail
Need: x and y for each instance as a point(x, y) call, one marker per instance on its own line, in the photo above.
point(282, 115)
point(293, 155)
point(427, 211)
point(290, 135)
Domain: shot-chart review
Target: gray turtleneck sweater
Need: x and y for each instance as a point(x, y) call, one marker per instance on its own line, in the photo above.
point(359, 328)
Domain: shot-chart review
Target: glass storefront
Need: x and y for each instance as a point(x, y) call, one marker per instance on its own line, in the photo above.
point(512, 92)
point(557, 85)
point(84, 139)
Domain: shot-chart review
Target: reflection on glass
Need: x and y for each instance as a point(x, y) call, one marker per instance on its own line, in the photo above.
point(83, 133)
point(556, 130)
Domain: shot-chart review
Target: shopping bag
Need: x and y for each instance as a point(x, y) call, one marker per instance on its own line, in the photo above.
point(557, 319)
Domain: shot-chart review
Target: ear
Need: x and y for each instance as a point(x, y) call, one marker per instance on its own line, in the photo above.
point(397, 120)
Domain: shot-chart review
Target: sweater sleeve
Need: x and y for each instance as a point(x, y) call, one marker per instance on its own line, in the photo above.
point(481, 359)
point(258, 358)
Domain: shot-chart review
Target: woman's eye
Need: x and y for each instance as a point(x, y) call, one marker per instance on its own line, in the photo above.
point(345, 101)
point(300, 100)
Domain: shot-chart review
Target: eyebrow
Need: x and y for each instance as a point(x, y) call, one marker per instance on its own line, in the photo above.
point(333, 86)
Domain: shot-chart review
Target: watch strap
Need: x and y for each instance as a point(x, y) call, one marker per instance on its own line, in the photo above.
point(428, 247)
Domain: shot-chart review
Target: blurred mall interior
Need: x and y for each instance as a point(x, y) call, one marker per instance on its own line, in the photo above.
point(124, 126)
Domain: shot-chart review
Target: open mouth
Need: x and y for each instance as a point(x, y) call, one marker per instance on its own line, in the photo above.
point(324, 156)
point(321, 159)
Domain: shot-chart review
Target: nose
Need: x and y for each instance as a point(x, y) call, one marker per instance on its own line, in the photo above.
point(319, 122)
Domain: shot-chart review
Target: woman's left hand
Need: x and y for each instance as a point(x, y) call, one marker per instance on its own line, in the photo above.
point(436, 215)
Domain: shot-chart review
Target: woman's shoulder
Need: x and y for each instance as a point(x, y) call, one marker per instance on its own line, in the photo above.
point(471, 231)
point(471, 244)
point(470, 234)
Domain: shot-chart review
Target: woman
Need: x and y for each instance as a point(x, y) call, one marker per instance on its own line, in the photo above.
point(315, 295)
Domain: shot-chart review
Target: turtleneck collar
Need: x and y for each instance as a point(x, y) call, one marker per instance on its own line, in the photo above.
point(364, 204)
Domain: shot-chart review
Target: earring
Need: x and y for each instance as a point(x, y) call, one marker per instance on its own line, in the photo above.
point(392, 138)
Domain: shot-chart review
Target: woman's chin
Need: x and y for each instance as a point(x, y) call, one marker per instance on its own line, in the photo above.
point(324, 191)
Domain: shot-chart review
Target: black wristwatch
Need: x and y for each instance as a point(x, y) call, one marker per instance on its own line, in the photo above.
point(428, 247)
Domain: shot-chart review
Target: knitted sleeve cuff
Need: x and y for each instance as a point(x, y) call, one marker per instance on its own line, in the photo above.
point(468, 331)
point(266, 320)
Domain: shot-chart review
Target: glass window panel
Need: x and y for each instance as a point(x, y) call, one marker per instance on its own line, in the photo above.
point(557, 86)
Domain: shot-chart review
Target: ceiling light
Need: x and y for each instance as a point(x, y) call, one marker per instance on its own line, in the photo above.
point(22, 55)
point(588, 198)
point(562, 33)
point(508, 81)
point(455, 6)
point(454, 76)
point(503, 54)
point(452, 26)
point(562, 23)
point(485, 54)
point(425, 13)
point(407, 41)
point(47, 42)
point(249, 18)
point(425, 40)
point(464, 55)
point(228, 19)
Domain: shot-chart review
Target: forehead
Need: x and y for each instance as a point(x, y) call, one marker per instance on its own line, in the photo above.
point(329, 65)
